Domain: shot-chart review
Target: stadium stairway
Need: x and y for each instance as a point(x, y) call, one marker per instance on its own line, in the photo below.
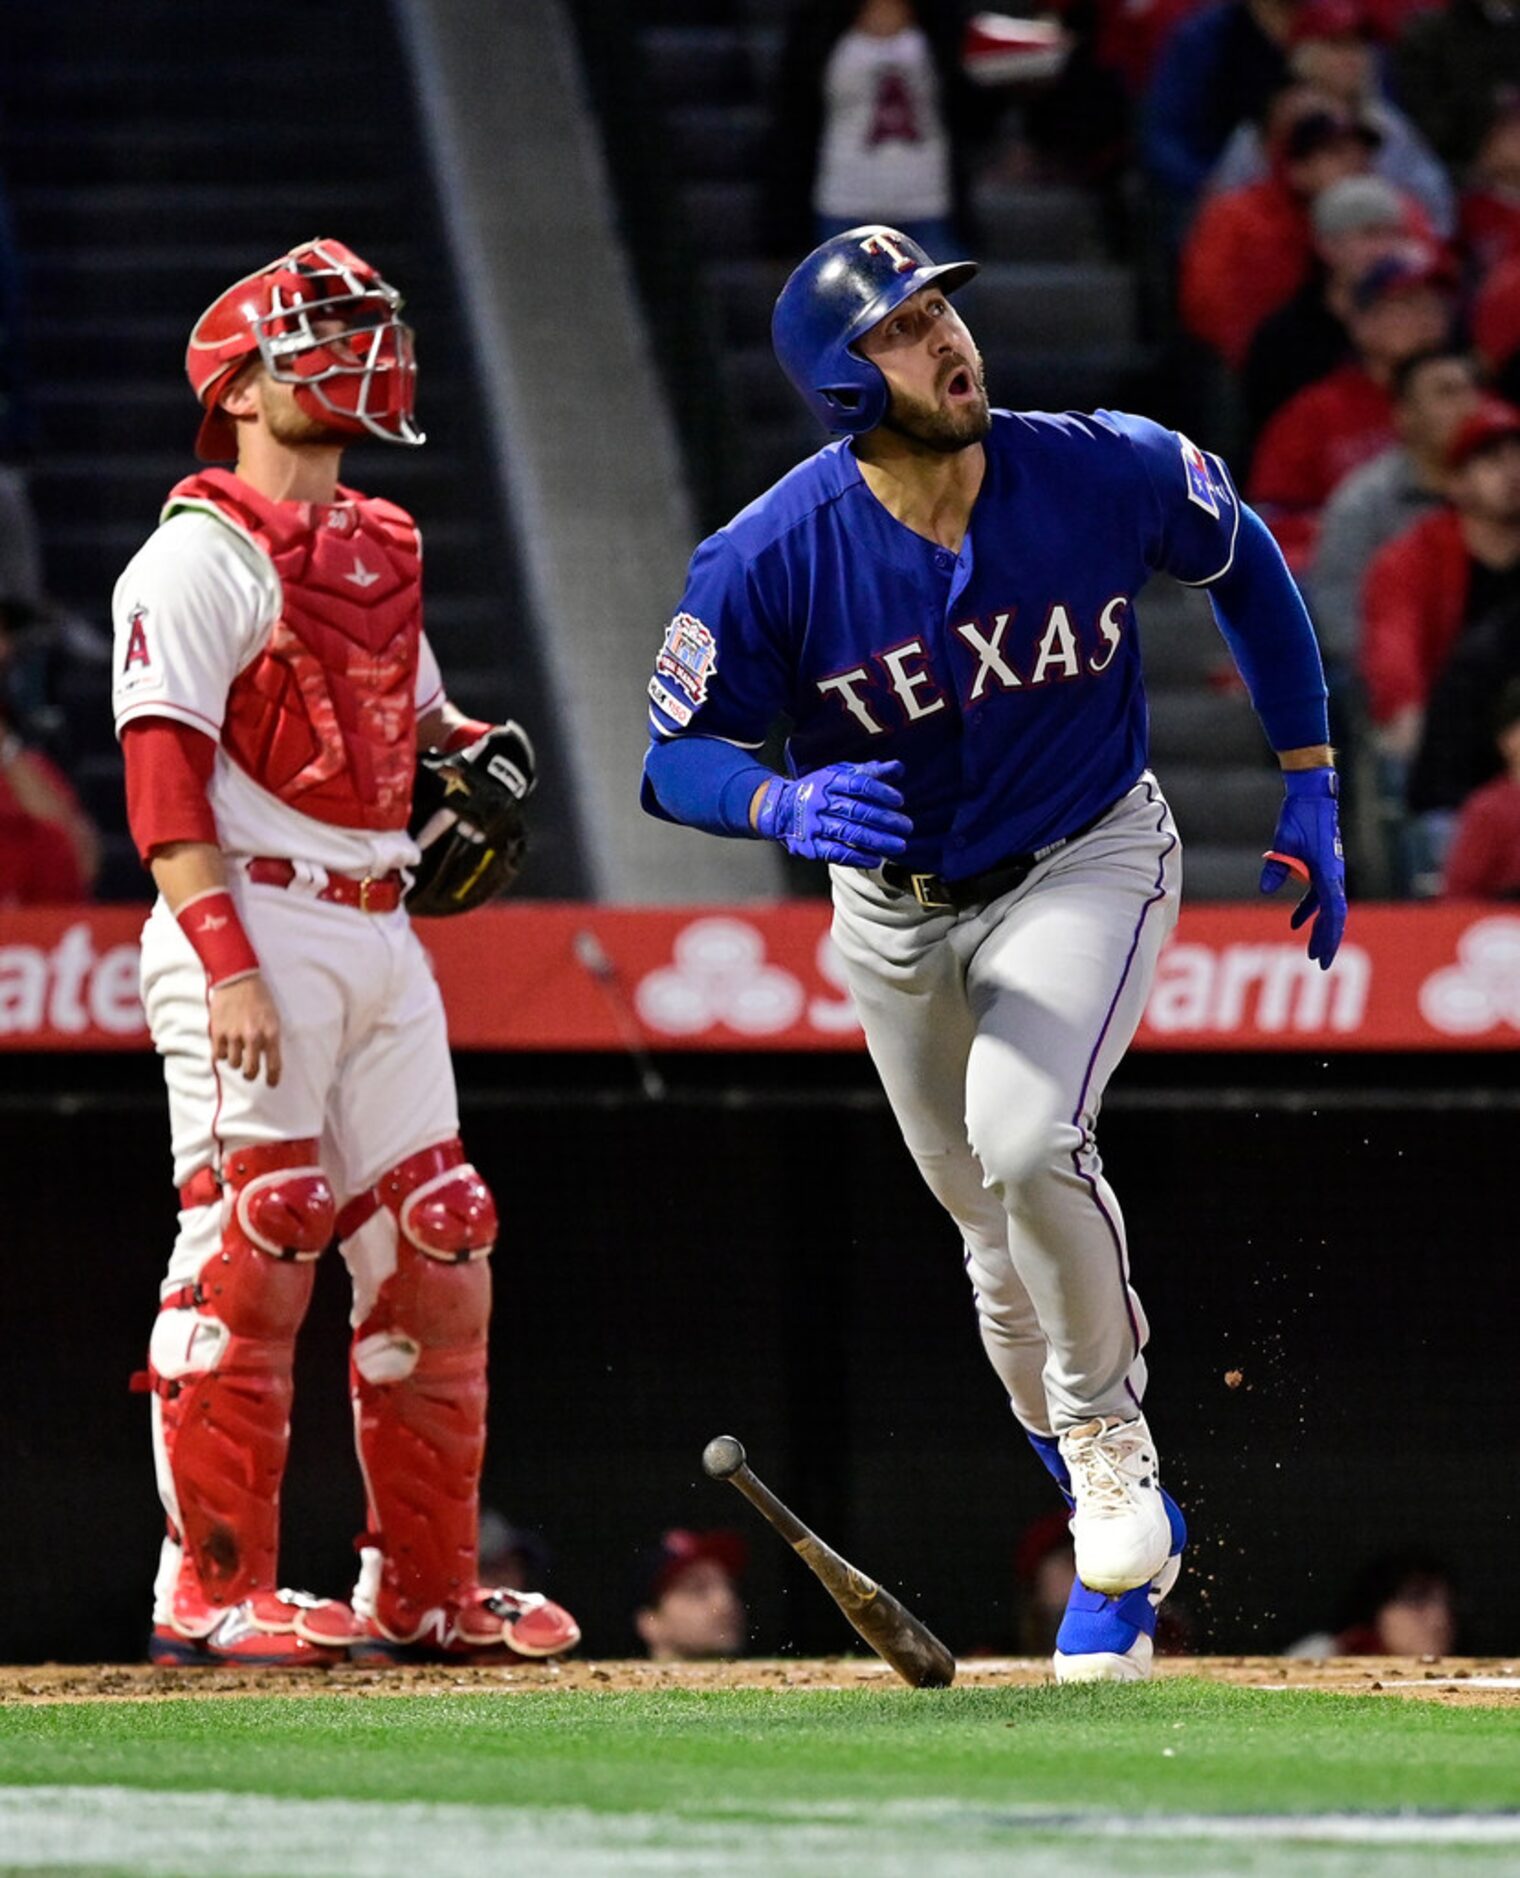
point(1057, 317)
point(153, 153)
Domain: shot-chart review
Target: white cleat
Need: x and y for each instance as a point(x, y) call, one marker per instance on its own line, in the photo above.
point(1120, 1530)
point(1133, 1665)
point(1110, 1639)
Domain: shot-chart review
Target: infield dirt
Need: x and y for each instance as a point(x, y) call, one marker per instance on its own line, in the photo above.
point(1491, 1682)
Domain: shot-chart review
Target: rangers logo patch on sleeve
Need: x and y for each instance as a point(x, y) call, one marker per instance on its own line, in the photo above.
point(688, 658)
point(1200, 481)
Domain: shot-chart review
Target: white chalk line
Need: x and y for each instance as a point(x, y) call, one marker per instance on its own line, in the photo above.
point(241, 1835)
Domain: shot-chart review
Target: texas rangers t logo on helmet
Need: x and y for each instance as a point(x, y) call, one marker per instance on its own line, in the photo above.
point(884, 244)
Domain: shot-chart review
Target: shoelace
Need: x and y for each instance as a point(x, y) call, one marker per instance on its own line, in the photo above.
point(1105, 1487)
point(503, 1602)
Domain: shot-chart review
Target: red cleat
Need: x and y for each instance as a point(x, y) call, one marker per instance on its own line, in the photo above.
point(490, 1625)
point(267, 1630)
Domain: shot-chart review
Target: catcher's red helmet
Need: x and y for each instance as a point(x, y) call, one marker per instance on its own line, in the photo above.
point(322, 320)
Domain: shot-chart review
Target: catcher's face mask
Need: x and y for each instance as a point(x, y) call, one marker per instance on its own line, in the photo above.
point(323, 321)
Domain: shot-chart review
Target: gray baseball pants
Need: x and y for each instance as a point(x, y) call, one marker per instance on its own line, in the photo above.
point(995, 1030)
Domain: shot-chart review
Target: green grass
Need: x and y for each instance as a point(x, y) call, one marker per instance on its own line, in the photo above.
point(875, 1771)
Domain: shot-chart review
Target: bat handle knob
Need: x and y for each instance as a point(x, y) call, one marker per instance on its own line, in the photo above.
point(722, 1457)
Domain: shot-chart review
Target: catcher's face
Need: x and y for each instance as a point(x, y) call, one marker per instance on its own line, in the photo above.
point(277, 405)
point(934, 373)
point(288, 422)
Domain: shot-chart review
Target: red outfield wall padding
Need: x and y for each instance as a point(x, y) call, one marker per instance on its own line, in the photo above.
point(540, 976)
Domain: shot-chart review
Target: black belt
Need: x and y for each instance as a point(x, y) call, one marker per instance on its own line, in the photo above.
point(933, 891)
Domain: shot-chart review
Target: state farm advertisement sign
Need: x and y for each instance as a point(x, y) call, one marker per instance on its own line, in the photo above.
point(579, 977)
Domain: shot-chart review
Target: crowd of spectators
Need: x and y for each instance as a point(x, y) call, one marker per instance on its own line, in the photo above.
point(1329, 193)
point(1325, 198)
point(49, 848)
point(1341, 180)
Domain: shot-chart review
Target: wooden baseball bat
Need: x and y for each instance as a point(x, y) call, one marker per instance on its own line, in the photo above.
point(892, 1630)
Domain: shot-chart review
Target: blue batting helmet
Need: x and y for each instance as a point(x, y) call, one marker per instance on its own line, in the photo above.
point(838, 294)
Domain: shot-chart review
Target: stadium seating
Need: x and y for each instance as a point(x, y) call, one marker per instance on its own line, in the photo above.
point(153, 153)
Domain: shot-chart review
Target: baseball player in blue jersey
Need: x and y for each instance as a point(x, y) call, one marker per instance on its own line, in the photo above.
point(942, 602)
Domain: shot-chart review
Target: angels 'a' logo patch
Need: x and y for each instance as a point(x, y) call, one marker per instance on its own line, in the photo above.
point(137, 639)
point(689, 657)
point(1200, 481)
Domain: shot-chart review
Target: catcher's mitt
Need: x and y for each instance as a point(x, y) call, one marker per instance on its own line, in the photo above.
point(467, 818)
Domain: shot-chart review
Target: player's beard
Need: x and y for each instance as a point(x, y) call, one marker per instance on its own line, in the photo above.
point(288, 424)
point(935, 427)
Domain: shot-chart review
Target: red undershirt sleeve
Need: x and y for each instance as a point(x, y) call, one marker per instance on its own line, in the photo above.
point(169, 769)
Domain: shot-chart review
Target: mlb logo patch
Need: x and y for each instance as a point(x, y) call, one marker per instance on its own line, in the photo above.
point(1200, 484)
point(669, 703)
point(689, 657)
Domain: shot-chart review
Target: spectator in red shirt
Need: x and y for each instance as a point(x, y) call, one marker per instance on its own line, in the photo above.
point(1426, 586)
point(1403, 305)
point(1251, 249)
point(1489, 217)
point(1332, 45)
point(1433, 393)
point(1483, 862)
point(1456, 754)
point(48, 849)
point(1491, 232)
point(1355, 223)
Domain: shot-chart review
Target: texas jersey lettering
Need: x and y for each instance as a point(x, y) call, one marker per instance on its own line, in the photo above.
point(1006, 679)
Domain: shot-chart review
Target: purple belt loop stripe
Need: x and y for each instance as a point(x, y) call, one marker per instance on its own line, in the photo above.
point(1155, 898)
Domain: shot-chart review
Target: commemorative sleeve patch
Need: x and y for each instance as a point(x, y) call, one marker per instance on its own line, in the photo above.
point(1200, 480)
point(687, 659)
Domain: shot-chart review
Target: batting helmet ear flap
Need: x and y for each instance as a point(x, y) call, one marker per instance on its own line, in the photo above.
point(844, 287)
point(847, 400)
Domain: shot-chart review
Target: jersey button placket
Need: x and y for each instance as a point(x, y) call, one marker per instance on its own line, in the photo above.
point(971, 720)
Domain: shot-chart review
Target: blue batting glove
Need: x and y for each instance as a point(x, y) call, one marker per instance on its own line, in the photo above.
point(1308, 843)
point(847, 813)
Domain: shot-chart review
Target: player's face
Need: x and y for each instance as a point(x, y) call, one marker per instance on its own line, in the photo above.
point(934, 374)
point(287, 423)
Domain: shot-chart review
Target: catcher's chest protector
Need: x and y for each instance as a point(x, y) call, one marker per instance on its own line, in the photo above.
point(325, 717)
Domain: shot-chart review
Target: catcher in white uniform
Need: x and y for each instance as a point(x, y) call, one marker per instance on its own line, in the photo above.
point(273, 690)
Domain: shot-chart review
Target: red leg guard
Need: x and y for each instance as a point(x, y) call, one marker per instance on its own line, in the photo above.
point(220, 1362)
point(419, 1385)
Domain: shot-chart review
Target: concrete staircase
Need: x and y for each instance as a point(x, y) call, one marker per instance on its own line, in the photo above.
point(155, 151)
